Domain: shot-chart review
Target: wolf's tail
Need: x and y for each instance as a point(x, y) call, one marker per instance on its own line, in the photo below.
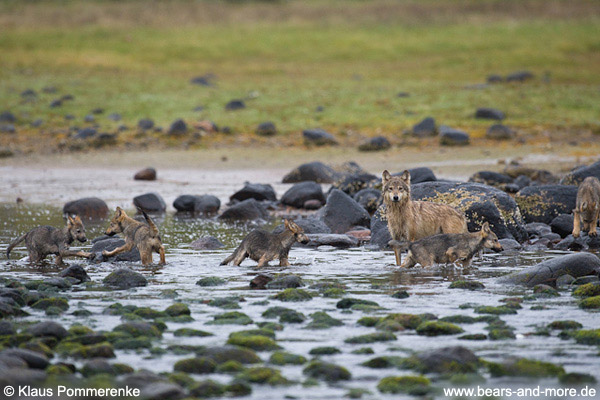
point(398, 245)
point(151, 223)
point(13, 244)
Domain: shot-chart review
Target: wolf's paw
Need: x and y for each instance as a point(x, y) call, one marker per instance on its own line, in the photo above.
point(593, 234)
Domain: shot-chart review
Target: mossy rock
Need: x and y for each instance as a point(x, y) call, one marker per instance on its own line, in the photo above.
point(292, 317)
point(210, 281)
point(367, 308)
point(59, 370)
point(38, 346)
point(293, 294)
point(565, 325)
point(254, 332)
point(324, 351)
point(231, 318)
point(526, 368)
point(322, 320)
point(587, 336)
point(363, 350)
point(137, 329)
point(326, 371)
point(239, 388)
point(263, 375)
point(189, 332)
point(272, 326)
point(459, 319)
point(177, 309)
point(368, 321)
point(284, 358)
point(149, 313)
point(469, 285)
point(587, 290)
point(255, 342)
point(473, 336)
point(399, 322)
point(501, 334)
point(383, 362)
point(371, 338)
point(100, 350)
point(357, 393)
point(229, 367)
point(400, 294)
point(437, 328)
point(228, 303)
point(576, 378)
point(221, 354)
point(56, 302)
point(79, 330)
point(495, 310)
point(350, 302)
point(544, 291)
point(207, 389)
point(196, 365)
point(182, 349)
point(180, 378)
point(413, 385)
point(334, 293)
point(137, 343)
point(275, 312)
point(590, 303)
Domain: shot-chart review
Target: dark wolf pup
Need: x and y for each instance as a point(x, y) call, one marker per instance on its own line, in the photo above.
point(410, 220)
point(587, 207)
point(263, 246)
point(448, 248)
point(145, 237)
point(45, 240)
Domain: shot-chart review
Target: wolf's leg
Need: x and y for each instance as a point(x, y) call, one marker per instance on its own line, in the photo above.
point(263, 261)
point(398, 255)
point(284, 262)
point(576, 224)
point(35, 257)
point(59, 261)
point(229, 258)
point(409, 261)
point(126, 247)
point(161, 252)
point(146, 257)
point(72, 253)
point(240, 256)
point(592, 231)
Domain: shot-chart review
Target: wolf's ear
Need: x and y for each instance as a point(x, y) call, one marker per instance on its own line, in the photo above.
point(485, 228)
point(286, 223)
point(70, 220)
point(77, 219)
point(406, 177)
point(386, 176)
point(294, 227)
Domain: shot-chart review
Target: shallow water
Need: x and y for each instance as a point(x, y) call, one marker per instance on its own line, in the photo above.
point(367, 275)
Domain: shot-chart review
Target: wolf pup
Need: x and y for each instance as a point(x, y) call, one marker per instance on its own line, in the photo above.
point(45, 240)
point(263, 246)
point(410, 220)
point(145, 237)
point(587, 207)
point(448, 248)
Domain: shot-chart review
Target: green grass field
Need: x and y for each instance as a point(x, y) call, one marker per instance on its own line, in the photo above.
point(352, 58)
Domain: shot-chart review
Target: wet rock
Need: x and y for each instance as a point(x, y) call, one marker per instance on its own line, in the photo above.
point(124, 278)
point(377, 143)
point(310, 226)
point(6, 328)
point(350, 302)
point(425, 128)
point(341, 241)
point(523, 367)
point(562, 224)
point(266, 129)
point(510, 244)
point(145, 124)
point(582, 280)
point(138, 329)
point(109, 244)
point(21, 377)
point(577, 176)
point(499, 132)
point(453, 137)
point(436, 328)
point(146, 174)
point(235, 105)
point(231, 318)
point(584, 242)
point(491, 178)
point(480, 203)
point(86, 133)
point(255, 191)
point(380, 235)
point(341, 213)
point(369, 199)
point(177, 128)
point(33, 359)
point(544, 203)
point(587, 290)
point(318, 137)
point(87, 208)
point(326, 371)
point(314, 171)
point(221, 354)
point(205, 204)
point(352, 183)
point(489, 113)
point(324, 351)
point(283, 358)
point(519, 76)
point(564, 281)
point(590, 303)
point(51, 302)
point(470, 285)
point(207, 243)
point(77, 272)
point(150, 202)
point(300, 193)
point(260, 281)
point(162, 391)
point(255, 342)
point(455, 359)
point(7, 128)
point(413, 385)
point(48, 328)
point(97, 367)
point(371, 338)
point(293, 295)
point(285, 282)
point(548, 271)
point(247, 210)
point(196, 365)
point(7, 116)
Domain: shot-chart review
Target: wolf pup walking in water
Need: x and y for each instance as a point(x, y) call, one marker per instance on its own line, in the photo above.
point(410, 220)
point(587, 207)
point(145, 237)
point(263, 246)
point(45, 240)
point(448, 248)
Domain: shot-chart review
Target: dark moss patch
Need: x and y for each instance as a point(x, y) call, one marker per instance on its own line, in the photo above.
point(56, 302)
point(525, 368)
point(272, 326)
point(284, 358)
point(326, 371)
point(564, 325)
point(239, 388)
point(587, 336)
point(323, 351)
point(207, 388)
point(437, 328)
point(188, 332)
point(141, 342)
point(322, 320)
point(293, 294)
point(149, 313)
point(587, 290)
point(228, 303)
point(349, 302)
point(383, 362)
point(474, 336)
point(231, 318)
point(501, 334)
point(363, 350)
point(400, 294)
point(469, 285)
point(196, 365)
point(229, 367)
point(137, 329)
point(459, 319)
point(399, 322)
point(254, 342)
point(413, 385)
point(263, 375)
point(100, 350)
point(575, 378)
point(211, 281)
point(371, 338)
point(590, 303)
point(177, 309)
point(499, 310)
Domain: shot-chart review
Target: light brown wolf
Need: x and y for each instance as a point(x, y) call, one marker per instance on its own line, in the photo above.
point(45, 240)
point(145, 237)
point(448, 248)
point(410, 220)
point(587, 207)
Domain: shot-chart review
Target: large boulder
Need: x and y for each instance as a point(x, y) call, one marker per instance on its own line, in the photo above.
point(87, 208)
point(546, 272)
point(480, 203)
point(489, 113)
point(257, 191)
point(369, 198)
point(447, 359)
point(105, 243)
point(491, 178)
point(380, 234)
point(314, 171)
point(150, 202)
point(48, 328)
point(125, 278)
point(146, 174)
point(354, 182)
point(562, 224)
point(318, 137)
point(419, 174)
point(499, 132)
point(544, 203)
point(206, 204)
point(342, 213)
point(425, 128)
point(577, 176)
point(178, 127)
point(377, 143)
point(302, 192)
point(332, 239)
point(76, 272)
point(310, 225)
point(453, 137)
point(247, 210)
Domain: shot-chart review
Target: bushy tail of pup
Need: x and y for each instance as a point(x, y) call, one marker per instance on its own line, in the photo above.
point(151, 223)
point(13, 244)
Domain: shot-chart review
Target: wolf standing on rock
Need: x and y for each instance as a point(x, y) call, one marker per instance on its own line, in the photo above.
point(587, 207)
point(45, 240)
point(410, 220)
